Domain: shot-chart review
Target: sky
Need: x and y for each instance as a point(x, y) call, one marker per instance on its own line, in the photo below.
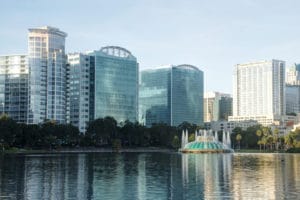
point(213, 35)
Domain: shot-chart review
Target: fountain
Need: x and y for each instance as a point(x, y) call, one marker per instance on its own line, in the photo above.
point(206, 142)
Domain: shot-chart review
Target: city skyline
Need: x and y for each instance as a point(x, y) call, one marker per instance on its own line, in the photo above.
point(214, 38)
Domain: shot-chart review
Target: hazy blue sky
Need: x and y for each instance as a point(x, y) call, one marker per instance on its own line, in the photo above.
point(213, 35)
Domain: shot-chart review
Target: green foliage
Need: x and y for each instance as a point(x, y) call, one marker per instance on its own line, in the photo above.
point(116, 145)
point(249, 137)
point(175, 142)
point(46, 135)
point(192, 137)
point(238, 137)
point(292, 140)
point(8, 131)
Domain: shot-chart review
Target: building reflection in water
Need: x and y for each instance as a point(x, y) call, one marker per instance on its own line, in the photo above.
point(150, 176)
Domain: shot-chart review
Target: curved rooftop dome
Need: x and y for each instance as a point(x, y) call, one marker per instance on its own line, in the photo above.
point(187, 66)
point(116, 51)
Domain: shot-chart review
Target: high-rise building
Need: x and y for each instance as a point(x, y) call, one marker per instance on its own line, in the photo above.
point(171, 95)
point(14, 87)
point(115, 84)
point(47, 75)
point(293, 75)
point(292, 90)
point(292, 96)
point(217, 106)
point(80, 69)
point(258, 91)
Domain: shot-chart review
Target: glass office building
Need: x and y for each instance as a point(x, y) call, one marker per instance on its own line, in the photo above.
point(47, 75)
point(14, 87)
point(79, 86)
point(171, 95)
point(155, 96)
point(115, 84)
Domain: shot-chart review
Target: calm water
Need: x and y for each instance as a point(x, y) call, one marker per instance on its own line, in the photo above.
point(150, 176)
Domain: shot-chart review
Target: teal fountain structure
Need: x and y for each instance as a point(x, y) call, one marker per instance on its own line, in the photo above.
point(206, 141)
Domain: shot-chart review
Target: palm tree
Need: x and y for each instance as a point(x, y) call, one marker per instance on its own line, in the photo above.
point(275, 137)
point(259, 134)
point(238, 139)
point(264, 141)
point(259, 142)
point(288, 140)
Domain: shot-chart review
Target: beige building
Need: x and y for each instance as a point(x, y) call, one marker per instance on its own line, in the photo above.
point(216, 106)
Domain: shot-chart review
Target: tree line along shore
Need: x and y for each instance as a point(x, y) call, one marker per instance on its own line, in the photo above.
point(108, 133)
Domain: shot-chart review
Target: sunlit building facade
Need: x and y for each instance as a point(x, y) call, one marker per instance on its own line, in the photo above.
point(115, 84)
point(293, 75)
point(14, 87)
point(80, 69)
point(259, 91)
point(217, 106)
point(171, 95)
point(47, 75)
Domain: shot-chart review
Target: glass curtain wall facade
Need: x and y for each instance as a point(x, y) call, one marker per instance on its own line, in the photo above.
point(292, 95)
point(115, 84)
point(155, 96)
point(14, 87)
point(187, 95)
point(79, 88)
point(171, 95)
point(47, 75)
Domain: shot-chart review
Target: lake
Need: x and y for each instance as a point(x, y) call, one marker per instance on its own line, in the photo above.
point(156, 176)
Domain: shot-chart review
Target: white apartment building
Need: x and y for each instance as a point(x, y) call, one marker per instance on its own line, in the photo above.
point(259, 91)
point(79, 71)
point(47, 75)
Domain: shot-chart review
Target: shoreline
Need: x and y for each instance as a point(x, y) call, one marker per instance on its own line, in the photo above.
point(89, 150)
point(122, 150)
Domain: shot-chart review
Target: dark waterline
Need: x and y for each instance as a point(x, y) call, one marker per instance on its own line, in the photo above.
point(150, 176)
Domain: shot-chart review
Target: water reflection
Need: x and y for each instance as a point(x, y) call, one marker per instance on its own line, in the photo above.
point(150, 176)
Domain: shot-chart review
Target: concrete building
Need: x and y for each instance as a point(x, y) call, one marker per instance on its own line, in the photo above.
point(14, 87)
point(229, 126)
point(217, 106)
point(259, 91)
point(171, 94)
point(47, 75)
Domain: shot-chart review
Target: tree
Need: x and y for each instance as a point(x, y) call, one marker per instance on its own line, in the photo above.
point(192, 137)
point(8, 131)
point(238, 139)
point(259, 134)
point(276, 137)
point(264, 141)
point(101, 131)
point(175, 142)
